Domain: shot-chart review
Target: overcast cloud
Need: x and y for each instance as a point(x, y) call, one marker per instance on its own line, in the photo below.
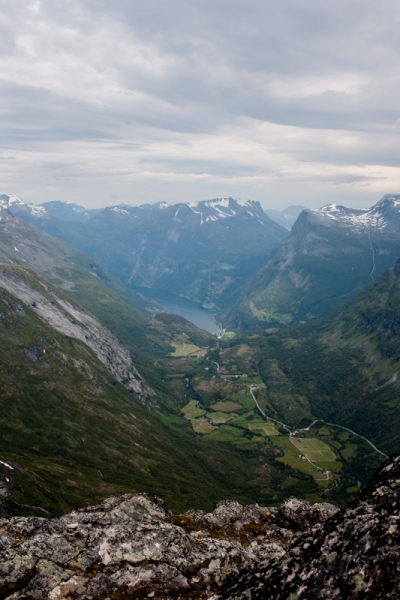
point(286, 102)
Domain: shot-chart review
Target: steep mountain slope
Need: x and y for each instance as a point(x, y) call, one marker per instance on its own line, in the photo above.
point(73, 425)
point(329, 254)
point(52, 396)
point(67, 318)
point(62, 264)
point(286, 217)
point(343, 369)
point(201, 250)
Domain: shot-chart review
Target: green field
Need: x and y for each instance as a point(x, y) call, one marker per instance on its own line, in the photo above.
point(191, 411)
point(219, 418)
point(291, 457)
point(226, 407)
point(202, 426)
point(349, 452)
point(315, 450)
point(186, 349)
point(228, 335)
point(265, 428)
point(226, 433)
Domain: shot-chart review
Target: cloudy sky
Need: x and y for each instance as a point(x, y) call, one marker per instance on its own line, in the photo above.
point(285, 102)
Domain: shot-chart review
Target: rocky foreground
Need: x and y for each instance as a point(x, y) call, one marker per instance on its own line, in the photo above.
point(134, 547)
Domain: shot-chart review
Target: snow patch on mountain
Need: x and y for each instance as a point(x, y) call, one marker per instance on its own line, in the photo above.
point(362, 219)
point(117, 209)
point(9, 201)
point(224, 208)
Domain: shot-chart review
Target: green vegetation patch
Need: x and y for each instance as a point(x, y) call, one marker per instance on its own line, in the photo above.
point(187, 349)
point(226, 433)
point(349, 452)
point(292, 458)
point(191, 410)
point(315, 450)
point(219, 418)
point(266, 428)
point(202, 426)
point(226, 407)
point(228, 335)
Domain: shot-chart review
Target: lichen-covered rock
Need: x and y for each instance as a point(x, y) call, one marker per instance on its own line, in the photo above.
point(128, 547)
point(300, 514)
point(354, 555)
point(132, 546)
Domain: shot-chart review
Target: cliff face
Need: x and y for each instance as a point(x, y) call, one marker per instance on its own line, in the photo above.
point(69, 319)
point(355, 554)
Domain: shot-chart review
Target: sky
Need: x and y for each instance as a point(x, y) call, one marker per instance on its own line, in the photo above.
point(285, 102)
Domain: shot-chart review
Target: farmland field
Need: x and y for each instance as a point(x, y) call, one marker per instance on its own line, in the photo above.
point(202, 426)
point(315, 450)
point(291, 458)
point(266, 428)
point(219, 418)
point(191, 411)
point(186, 349)
point(226, 433)
point(226, 407)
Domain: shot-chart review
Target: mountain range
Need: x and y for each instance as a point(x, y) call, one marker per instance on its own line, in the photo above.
point(103, 394)
point(200, 250)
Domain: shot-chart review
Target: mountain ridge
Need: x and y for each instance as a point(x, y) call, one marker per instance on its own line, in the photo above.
point(200, 250)
point(329, 254)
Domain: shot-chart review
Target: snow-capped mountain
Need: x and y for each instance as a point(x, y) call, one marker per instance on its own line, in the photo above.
point(385, 214)
point(64, 211)
point(203, 250)
point(330, 253)
point(18, 207)
point(223, 208)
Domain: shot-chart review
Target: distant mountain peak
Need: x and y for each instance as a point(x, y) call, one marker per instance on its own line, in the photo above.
point(378, 216)
point(11, 201)
point(287, 217)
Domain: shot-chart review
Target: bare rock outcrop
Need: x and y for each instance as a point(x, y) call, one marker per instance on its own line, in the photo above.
point(69, 319)
point(133, 547)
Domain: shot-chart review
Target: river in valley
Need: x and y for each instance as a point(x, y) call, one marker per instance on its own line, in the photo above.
point(192, 311)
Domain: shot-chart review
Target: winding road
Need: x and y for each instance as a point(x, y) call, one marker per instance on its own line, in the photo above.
point(290, 430)
point(215, 363)
point(313, 423)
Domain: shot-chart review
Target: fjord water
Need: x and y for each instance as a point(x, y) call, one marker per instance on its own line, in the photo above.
point(192, 311)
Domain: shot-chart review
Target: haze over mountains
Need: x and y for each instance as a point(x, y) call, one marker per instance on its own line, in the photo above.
point(286, 217)
point(201, 250)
